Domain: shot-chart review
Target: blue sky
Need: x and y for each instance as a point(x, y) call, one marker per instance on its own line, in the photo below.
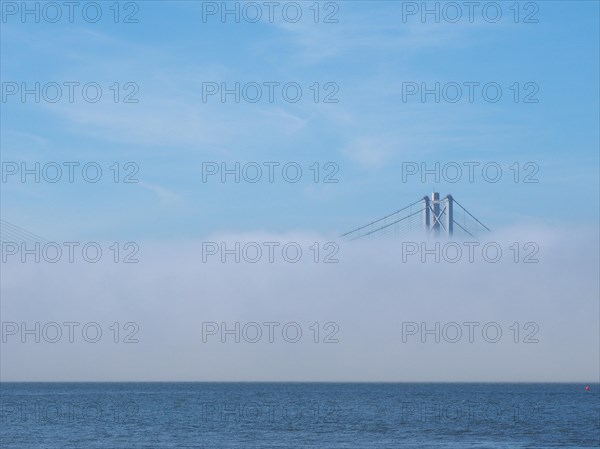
point(369, 133)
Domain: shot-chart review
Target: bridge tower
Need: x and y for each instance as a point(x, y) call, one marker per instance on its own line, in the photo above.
point(433, 209)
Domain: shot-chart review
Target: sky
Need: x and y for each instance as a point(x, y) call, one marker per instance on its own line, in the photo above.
point(165, 131)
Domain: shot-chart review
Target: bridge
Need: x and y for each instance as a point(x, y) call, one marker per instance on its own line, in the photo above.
point(432, 215)
point(10, 232)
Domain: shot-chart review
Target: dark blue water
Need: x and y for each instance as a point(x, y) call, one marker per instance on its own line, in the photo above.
point(288, 415)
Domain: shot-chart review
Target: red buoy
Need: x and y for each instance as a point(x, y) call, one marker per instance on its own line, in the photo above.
point(587, 388)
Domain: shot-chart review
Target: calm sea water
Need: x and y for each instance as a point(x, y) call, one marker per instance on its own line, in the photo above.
point(297, 415)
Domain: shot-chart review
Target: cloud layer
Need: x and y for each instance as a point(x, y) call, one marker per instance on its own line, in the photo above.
point(362, 301)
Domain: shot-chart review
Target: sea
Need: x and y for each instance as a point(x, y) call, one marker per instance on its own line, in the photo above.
point(298, 415)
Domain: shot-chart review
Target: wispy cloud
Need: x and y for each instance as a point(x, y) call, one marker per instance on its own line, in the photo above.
point(163, 194)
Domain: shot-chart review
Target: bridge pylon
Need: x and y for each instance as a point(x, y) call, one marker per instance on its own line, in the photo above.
point(438, 214)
